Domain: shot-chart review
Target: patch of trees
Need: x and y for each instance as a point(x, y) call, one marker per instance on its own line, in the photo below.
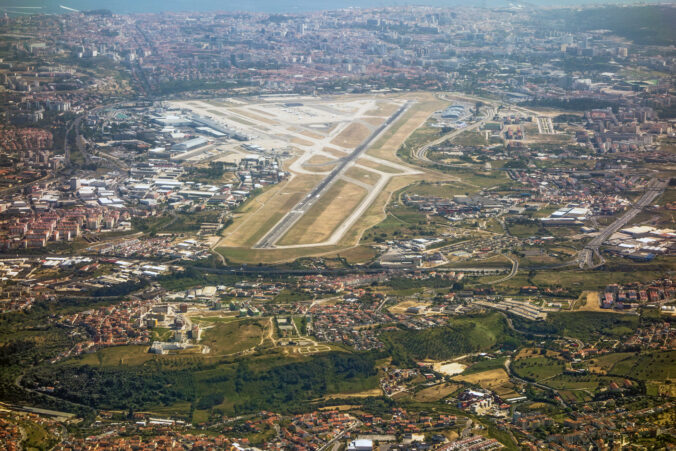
point(215, 170)
point(121, 289)
point(209, 401)
point(281, 388)
point(402, 283)
point(667, 112)
point(566, 118)
point(192, 276)
point(582, 325)
point(462, 336)
point(516, 164)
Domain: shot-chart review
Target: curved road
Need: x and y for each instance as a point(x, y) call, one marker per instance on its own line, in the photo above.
point(512, 273)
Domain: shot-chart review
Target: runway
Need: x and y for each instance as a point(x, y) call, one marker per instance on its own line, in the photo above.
point(285, 224)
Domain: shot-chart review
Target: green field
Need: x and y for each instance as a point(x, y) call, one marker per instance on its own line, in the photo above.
point(461, 336)
point(656, 366)
point(606, 362)
point(485, 365)
point(36, 436)
point(230, 337)
point(445, 190)
point(417, 139)
point(208, 320)
point(576, 281)
point(523, 230)
point(575, 396)
point(583, 325)
point(161, 334)
point(538, 368)
point(405, 222)
point(470, 138)
point(591, 383)
point(116, 356)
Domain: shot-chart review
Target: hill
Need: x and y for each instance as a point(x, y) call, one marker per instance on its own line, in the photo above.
point(461, 336)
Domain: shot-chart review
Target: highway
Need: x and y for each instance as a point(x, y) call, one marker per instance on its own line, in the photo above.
point(585, 258)
point(283, 226)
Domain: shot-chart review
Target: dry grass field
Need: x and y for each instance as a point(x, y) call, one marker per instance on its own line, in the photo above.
point(589, 302)
point(234, 118)
point(325, 215)
point(435, 393)
point(386, 147)
point(319, 163)
point(300, 142)
point(319, 159)
point(404, 305)
point(335, 152)
point(352, 136)
point(261, 111)
point(375, 121)
point(487, 379)
point(378, 166)
point(361, 394)
point(496, 380)
point(353, 254)
point(363, 175)
point(384, 109)
point(309, 134)
point(266, 210)
point(231, 337)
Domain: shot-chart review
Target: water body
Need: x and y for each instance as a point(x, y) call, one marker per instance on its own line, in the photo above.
point(19, 7)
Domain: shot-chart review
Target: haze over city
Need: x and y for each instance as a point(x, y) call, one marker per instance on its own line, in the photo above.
point(272, 6)
point(354, 225)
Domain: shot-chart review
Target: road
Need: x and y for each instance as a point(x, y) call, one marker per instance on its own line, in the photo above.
point(66, 146)
point(511, 374)
point(512, 273)
point(340, 435)
point(283, 226)
point(421, 153)
point(585, 258)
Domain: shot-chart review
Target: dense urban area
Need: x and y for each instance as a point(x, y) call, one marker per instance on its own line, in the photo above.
point(403, 228)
